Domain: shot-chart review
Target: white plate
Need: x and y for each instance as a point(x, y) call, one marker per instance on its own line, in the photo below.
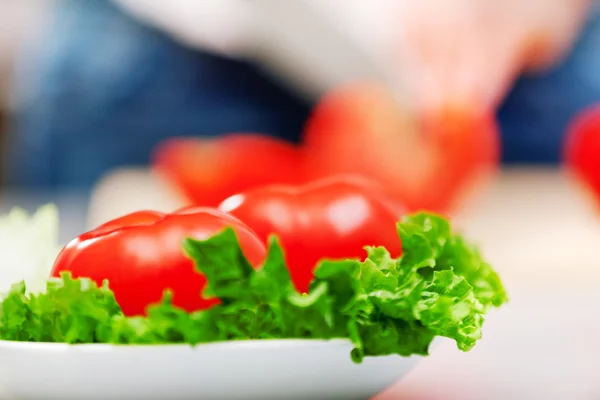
point(268, 369)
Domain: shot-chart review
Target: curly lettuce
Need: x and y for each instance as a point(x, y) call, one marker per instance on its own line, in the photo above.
point(440, 286)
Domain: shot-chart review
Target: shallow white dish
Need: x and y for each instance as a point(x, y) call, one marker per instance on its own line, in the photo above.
point(267, 369)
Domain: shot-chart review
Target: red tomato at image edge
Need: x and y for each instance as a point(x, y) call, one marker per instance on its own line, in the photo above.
point(582, 148)
point(208, 170)
point(332, 218)
point(141, 255)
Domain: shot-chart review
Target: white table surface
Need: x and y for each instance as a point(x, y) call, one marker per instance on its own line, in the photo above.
point(540, 233)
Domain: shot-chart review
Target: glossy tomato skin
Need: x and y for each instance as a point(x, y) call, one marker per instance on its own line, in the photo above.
point(582, 149)
point(141, 256)
point(208, 170)
point(333, 218)
point(426, 162)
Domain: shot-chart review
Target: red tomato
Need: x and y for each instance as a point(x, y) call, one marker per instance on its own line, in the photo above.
point(207, 171)
point(582, 149)
point(141, 256)
point(333, 218)
point(426, 164)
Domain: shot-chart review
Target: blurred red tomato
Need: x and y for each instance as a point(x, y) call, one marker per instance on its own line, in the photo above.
point(208, 170)
point(429, 164)
point(582, 148)
point(332, 218)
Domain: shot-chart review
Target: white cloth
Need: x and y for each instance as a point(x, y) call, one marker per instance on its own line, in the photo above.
point(312, 44)
point(217, 25)
point(434, 48)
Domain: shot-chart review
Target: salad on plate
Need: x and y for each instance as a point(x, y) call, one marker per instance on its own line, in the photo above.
point(313, 291)
point(329, 260)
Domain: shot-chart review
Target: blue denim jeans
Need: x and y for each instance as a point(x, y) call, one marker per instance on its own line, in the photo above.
point(100, 90)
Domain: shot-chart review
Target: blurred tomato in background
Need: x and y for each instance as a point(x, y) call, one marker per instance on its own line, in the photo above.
point(428, 162)
point(208, 170)
point(425, 162)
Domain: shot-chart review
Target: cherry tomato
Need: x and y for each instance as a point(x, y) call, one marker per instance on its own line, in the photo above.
point(332, 218)
point(141, 256)
point(207, 171)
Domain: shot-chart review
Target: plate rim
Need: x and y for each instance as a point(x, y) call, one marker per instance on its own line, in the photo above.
point(251, 344)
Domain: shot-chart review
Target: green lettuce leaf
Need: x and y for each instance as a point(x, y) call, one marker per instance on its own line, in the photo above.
point(453, 252)
point(440, 286)
point(70, 310)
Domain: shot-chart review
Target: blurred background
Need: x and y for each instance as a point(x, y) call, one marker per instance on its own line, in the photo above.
point(479, 109)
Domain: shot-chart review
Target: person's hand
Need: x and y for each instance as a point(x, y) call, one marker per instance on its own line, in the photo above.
point(470, 51)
